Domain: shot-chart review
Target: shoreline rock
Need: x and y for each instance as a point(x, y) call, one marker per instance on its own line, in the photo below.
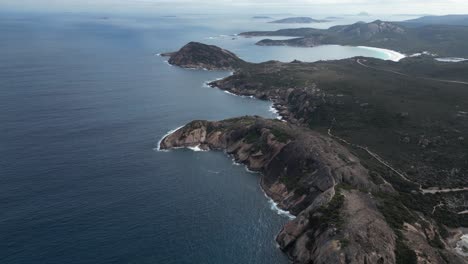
point(301, 171)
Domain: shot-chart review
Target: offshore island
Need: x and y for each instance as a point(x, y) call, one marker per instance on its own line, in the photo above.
point(371, 155)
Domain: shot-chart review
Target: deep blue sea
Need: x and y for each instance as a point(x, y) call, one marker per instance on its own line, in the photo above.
point(84, 101)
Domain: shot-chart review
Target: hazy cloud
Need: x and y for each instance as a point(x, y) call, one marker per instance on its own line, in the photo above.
point(254, 6)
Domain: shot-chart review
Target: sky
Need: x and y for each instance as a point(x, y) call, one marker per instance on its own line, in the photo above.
point(245, 6)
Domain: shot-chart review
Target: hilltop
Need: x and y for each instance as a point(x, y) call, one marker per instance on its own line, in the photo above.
point(444, 40)
point(200, 56)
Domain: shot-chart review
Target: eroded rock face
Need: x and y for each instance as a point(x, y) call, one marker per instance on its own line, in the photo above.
point(301, 170)
point(421, 235)
point(362, 237)
point(201, 56)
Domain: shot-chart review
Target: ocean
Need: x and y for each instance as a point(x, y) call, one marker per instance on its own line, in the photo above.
point(84, 100)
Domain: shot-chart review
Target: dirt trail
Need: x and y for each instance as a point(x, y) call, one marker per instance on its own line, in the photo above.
point(432, 190)
point(361, 62)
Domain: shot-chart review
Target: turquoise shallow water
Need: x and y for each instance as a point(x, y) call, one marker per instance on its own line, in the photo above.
point(84, 101)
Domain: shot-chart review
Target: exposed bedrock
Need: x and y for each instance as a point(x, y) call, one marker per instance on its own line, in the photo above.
point(304, 172)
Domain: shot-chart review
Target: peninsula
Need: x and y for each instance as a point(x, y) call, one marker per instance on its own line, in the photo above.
point(363, 143)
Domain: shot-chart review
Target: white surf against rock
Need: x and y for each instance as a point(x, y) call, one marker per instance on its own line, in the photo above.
point(158, 147)
point(197, 149)
point(275, 208)
point(275, 111)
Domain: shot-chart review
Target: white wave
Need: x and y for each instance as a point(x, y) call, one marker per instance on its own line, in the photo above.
point(462, 245)
point(273, 204)
point(234, 162)
point(273, 110)
point(250, 171)
point(158, 54)
point(451, 59)
point(274, 207)
point(423, 53)
point(197, 149)
point(391, 54)
point(167, 62)
point(158, 147)
point(230, 93)
point(243, 96)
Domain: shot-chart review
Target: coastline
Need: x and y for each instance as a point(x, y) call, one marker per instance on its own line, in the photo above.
point(279, 107)
point(391, 54)
point(274, 206)
point(158, 147)
point(271, 197)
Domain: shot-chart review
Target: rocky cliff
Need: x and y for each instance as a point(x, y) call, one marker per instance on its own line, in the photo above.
point(303, 171)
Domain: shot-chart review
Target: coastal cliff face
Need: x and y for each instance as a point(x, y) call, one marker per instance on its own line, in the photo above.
point(303, 171)
point(200, 56)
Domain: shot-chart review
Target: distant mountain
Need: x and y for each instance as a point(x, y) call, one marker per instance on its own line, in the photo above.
point(302, 20)
point(444, 40)
point(358, 32)
point(363, 30)
point(460, 20)
point(261, 17)
point(363, 14)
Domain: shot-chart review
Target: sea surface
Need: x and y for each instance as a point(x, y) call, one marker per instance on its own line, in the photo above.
point(84, 99)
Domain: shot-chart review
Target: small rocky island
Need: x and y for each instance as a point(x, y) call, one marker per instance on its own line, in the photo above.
point(351, 204)
point(298, 20)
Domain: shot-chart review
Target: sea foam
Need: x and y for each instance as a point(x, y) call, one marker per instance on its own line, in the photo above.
point(158, 148)
point(273, 110)
point(197, 149)
point(274, 207)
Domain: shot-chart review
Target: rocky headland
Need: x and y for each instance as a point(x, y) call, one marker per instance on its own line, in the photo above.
point(349, 206)
point(304, 172)
point(195, 55)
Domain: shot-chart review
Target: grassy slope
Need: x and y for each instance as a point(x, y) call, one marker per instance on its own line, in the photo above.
point(382, 110)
